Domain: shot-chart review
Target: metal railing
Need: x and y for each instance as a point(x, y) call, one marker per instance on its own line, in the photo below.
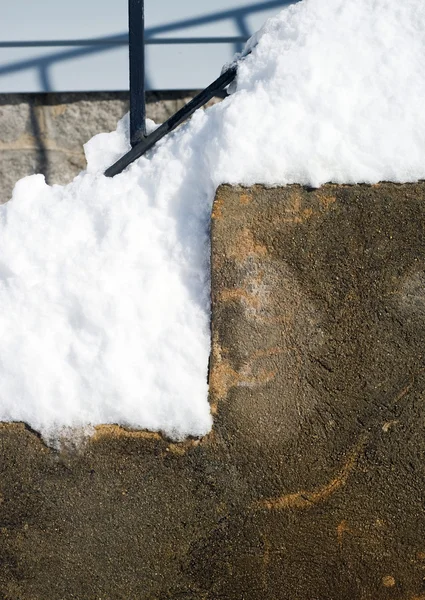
point(140, 142)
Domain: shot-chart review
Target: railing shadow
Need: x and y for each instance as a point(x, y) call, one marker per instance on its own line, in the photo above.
point(86, 47)
point(74, 48)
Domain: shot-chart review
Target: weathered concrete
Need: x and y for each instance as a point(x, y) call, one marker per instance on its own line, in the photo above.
point(312, 484)
point(45, 133)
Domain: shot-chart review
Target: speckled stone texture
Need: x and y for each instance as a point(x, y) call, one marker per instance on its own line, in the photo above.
point(311, 485)
point(45, 133)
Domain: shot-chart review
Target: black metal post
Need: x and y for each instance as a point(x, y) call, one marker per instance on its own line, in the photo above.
point(149, 141)
point(136, 27)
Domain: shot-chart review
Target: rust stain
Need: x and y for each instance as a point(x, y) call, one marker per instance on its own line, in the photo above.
point(253, 295)
point(244, 246)
point(305, 499)
point(180, 448)
point(245, 198)
point(115, 431)
point(217, 209)
point(327, 200)
point(388, 581)
point(296, 213)
point(223, 376)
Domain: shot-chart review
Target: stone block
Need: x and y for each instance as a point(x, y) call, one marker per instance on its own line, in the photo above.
point(15, 164)
point(72, 119)
point(15, 118)
point(311, 484)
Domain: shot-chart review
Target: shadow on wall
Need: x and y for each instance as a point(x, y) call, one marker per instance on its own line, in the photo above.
point(58, 124)
point(42, 65)
point(45, 133)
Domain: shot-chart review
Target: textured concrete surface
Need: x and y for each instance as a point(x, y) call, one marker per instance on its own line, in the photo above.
point(312, 484)
point(45, 133)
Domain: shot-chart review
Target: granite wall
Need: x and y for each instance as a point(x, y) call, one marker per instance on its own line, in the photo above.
point(45, 133)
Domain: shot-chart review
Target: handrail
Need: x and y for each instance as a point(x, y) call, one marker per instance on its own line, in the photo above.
point(184, 113)
point(136, 46)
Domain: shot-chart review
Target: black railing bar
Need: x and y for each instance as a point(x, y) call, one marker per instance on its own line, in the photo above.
point(184, 113)
point(124, 41)
point(136, 47)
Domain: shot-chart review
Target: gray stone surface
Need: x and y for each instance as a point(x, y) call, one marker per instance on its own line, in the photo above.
point(15, 164)
point(43, 131)
point(15, 120)
point(70, 122)
point(311, 484)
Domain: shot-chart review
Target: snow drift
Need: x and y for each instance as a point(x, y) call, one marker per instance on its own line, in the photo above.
point(104, 283)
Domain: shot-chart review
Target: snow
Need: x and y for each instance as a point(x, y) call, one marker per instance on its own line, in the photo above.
point(104, 283)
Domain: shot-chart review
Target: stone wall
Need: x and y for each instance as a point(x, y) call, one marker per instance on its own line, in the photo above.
point(45, 133)
point(311, 484)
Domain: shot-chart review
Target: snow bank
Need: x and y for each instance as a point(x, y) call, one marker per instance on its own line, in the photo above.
point(104, 283)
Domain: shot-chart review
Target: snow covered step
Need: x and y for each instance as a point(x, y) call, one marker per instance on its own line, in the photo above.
point(310, 484)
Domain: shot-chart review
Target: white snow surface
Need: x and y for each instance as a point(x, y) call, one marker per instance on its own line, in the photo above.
point(104, 283)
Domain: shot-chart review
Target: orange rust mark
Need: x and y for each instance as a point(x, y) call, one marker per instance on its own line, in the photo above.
point(306, 499)
point(253, 295)
point(180, 448)
point(245, 245)
point(295, 213)
point(388, 581)
point(217, 209)
point(341, 529)
point(223, 376)
point(245, 198)
point(421, 597)
point(420, 555)
point(327, 200)
point(116, 431)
